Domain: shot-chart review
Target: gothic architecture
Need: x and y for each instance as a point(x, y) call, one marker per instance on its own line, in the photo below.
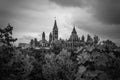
point(55, 32)
point(73, 42)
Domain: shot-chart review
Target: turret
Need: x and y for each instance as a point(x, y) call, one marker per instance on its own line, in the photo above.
point(43, 36)
point(50, 37)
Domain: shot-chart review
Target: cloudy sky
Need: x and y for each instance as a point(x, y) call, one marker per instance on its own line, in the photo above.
point(31, 17)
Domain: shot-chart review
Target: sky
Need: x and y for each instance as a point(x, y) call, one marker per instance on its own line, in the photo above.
point(31, 17)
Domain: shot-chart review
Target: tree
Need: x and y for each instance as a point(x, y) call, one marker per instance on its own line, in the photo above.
point(6, 35)
point(108, 45)
point(95, 63)
point(6, 51)
point(21, 66)
point(56, 46)
point(59, 67)
point(6, 39)
point(13, 64)
point(67, 66)
point(50, 68)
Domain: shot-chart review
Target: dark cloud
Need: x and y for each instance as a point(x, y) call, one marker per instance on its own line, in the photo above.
point(6, 11)
point(107, 11)
point(69, 3)
point(103, 30)
point(10, 9)
point(106, 14)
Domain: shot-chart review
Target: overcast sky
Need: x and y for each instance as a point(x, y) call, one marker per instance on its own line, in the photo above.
point(31, 17)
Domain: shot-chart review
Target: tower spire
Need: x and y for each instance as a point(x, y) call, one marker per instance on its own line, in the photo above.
point(74, 30)
point(55, 31)
point(55, 24)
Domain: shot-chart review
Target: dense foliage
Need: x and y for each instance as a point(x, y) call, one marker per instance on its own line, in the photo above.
point(94, 60)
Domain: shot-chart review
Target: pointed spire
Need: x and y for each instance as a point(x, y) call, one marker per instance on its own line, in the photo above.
point(55, 31)
point(74, 30)
point(55, 24)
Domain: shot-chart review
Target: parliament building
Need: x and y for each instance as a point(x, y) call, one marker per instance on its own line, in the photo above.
point(73, 42)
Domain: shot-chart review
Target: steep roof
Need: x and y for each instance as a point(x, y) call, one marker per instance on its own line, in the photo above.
point(74, 30)
point(55, 25)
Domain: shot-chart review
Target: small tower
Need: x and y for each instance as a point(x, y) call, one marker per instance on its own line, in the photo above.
point(55, 31)
point(50, 37)
point(43, 36)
